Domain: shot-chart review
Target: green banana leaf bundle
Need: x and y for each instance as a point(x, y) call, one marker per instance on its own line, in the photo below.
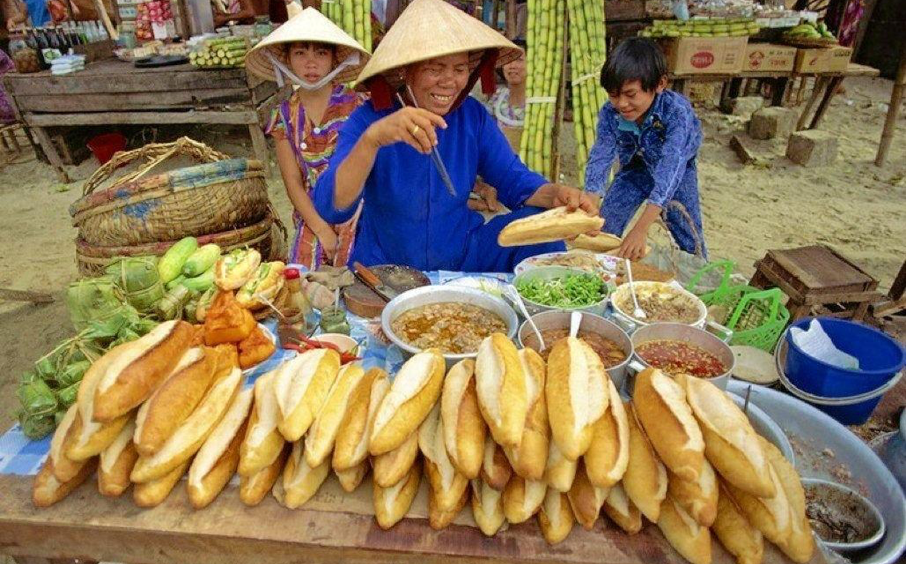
point(139, 281)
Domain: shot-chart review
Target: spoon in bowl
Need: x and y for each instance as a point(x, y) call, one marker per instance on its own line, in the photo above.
point(638, 312)
point(575, 320)
point(513, 294)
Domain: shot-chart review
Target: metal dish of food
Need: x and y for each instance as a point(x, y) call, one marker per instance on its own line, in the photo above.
point(661, 302)
point(827, 450)
point(556, 288)
point(843, 519)
point(610, 342)
point(595, 263)
point(454, 319)
point(675, 347)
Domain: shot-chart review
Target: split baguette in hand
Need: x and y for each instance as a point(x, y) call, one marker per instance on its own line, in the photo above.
point(218, 458)
point(253, 489)
point(660, 403)
point(487, 507)
point(176, 399)
point(351, 445)
point(495, 468)
point(117, 462)
point(154, 492)
point(391, 504)
point(322, 434)
point(689, 538)
point(577, 395)
point(413, 393)
point(731, 444)
point(500, 383)
point(300, 480)
point(556, 517)
point(447, 484)
point(301, 386)
point(560, 471)
point(600, 243)
point(391, 467)
point(522, 499)
point(464, 428)
point(263, 443)
point(735, 532)
point(554, 224)
point(608, 454)
point(622, 511)
point(47, 490)
point(800, 545)
point(530, 456)
point(139, 369)
point(698, 498)
point(645, 480)
point(585, 499)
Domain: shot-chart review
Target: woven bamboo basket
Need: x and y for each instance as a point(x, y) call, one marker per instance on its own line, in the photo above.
point(267, 236)
point(137, 208)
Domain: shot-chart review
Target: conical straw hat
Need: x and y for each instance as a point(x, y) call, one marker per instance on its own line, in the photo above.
point(432, 28)
point(310, 25)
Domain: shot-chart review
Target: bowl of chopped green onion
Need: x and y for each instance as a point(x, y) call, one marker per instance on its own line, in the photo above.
point(557, 288)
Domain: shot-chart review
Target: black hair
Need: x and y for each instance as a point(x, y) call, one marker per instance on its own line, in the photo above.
point(519, 42)
point(635, 58)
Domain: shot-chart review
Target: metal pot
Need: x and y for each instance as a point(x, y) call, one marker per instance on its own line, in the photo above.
point(851, 506)
point(551, 273)
point(687, 334)
point(590, 323)
point(438, 294)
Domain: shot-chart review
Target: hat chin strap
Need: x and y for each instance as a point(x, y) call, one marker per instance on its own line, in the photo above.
point(281, 70)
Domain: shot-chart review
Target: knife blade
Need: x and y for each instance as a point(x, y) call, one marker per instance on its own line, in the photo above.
point(371, 280)
point(435, 154)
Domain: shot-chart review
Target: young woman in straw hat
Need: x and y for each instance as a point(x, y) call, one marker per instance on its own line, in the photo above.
point(318, 57)
point(430, 58)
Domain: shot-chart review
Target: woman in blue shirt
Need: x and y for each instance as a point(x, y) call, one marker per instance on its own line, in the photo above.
point(656, 136)
point(383, 152)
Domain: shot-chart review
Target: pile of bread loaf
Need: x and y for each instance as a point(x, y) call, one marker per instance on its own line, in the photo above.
point(507, 433)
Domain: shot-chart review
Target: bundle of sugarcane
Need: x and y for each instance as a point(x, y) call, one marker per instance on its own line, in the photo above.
point(333, 10)
point(587, 52)
point(354, 16)
point(544, 62)
point(226, 52)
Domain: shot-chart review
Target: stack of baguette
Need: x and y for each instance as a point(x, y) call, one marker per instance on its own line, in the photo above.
point(510, 436)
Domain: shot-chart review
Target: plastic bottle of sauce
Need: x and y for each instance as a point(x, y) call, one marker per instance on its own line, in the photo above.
point(297, 309)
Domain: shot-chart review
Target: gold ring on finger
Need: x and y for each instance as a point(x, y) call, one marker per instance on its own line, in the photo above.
point(416, 129)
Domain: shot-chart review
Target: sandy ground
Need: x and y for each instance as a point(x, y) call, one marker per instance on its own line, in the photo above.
point(854, 206)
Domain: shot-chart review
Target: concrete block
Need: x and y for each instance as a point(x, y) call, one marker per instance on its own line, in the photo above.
point(773, 122)
point(812, 148)
point(743, 106)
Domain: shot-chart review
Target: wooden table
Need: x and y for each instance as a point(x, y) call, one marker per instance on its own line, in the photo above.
point(88, 526)
point(114, 92)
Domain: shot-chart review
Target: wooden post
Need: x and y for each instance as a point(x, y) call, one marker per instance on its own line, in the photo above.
point(820, 84)
point(896, 98)
point(561, 103)
point(51, 151)
point(832, 86)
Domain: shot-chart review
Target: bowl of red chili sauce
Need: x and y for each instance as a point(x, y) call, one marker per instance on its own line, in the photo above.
point(676, 348)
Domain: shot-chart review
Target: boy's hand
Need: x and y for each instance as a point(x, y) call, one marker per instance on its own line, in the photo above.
point(487, 198)
point(633, 247)
point(573, 199)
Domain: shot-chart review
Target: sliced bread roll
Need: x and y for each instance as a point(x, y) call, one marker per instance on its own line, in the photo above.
point(690, 539)
point(487, 507)
point(585, 499)
point(800, 546)
point(530, 456)
point(351, 448)
point(622, 511)
point(500, 383)
point(391, 467)
point(600, 243)
point(735, 532)
point(464, 428)
point(301, 386)
point(770, 515)
point(495, 469)
point(438, 519)
point(555, 224)
point(263, 442)
point(322, 434)
point(253, 489)
point(116, 463)
point(391, 504)
point(608, 454)
point(300, 480)
point(556, 518)
point(699, 498)
point(645, 479)
point(47, 490)
point(447, 484)
point(522, 499)
point(351, 478)
point(560, 471)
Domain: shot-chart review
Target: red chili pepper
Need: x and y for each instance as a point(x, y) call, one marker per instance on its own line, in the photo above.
point(293, 347)
point(319, 344)
point(346, 358)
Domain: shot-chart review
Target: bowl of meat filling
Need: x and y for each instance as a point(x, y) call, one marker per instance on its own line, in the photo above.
point(454, 319)
point(661, 302)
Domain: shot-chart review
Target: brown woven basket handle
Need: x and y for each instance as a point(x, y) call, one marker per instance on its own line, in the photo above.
point(154, 153)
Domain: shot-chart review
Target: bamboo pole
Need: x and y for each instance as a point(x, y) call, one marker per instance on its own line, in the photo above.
point(896, 99)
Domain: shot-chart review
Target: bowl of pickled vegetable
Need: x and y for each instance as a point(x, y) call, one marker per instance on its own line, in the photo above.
point(557, 288)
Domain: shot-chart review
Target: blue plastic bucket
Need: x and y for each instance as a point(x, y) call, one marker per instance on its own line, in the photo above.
point(880, 359)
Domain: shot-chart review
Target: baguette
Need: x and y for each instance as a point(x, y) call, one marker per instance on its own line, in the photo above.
point(351, 448)
point(600, 242)
point(554, 224)
point(530, 456)
point(608, 454)
point(391, 467)
point(731, 444)
point(218, 458)
point(64, 468)
point(438, 519)
point(698, 499)
point(391, 504)
point(191, 434)
point(556, 518)
point(661, 407)
point(690, 539)
point(446, 483)
point(772, 516)
point(176, 399)
point(800, 546)
point(154, 492)
point(323, 432)
point(263, 442)
point(464, 429)
point(735, 532)
point(622, 511)
point(577, 395)
point(414, 391)
point(301, 386)
point(351, 478)
point(253, 489)
point(500, 383)
point(522, 499)
point(135, 373)
point(300, 481)
point(560, 471)
point(47, 490)
point(495, 468)
point(585, 499)
point(645, 480)
point(487, 507)
point(117, 462)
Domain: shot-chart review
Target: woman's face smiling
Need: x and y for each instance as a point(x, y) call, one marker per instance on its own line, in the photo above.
point(311, 61)
point(437, 83)
point(514, 71)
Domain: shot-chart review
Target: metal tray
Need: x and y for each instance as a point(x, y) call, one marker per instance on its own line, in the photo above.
point(826, 449)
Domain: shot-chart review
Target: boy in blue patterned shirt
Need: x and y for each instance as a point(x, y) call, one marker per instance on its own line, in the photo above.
point(655, 134)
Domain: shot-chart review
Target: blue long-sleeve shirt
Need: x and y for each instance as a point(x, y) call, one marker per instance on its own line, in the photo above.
point(666, 142)
point(409, 217)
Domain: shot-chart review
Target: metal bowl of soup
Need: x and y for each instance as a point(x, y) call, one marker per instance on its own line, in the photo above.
point(675, 348)
point(454, 319)
point(607, 339)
